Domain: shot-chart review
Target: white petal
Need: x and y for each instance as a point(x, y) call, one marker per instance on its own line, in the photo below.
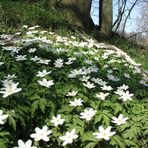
point(28, 143)
point(62, 137)
point(101, 129)
point(21, 143)
point(108, 129)
point(120, 117)
point(45, 138)
point(111, 133)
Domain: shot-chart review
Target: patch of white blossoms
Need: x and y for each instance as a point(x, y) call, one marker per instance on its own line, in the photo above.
point(88, 114)
point(102, 95)
point(58, 63)
point(43, 73)
point(76, 102)
point(120, 120)
point(3, 117)
point(72, 94)
point(89, 85)
point(104, 133)
point(9, 88)
point(124, 93)
point(69, 137)
point(41, 134)
point(46, 83)
point(57, 120)
point(27, 144)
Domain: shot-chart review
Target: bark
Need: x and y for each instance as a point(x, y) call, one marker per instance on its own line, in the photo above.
point(76, 12)
point(105, 17)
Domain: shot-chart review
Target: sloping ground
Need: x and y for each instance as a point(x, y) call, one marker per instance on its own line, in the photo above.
point(58, 91)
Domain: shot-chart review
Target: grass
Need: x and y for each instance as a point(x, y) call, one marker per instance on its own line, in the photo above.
point(15, 14)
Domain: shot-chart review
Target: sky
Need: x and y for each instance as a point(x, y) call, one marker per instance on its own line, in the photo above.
point(132, 23)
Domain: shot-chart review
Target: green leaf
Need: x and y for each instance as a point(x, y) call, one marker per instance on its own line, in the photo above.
point(117, 140)
point(98, 118)
point(42, 104)
point(129, 142)
point(88, 136)
point(4, 133)
point(3, 143)
point(106, 120)
point(12, 122)
point(35, 105)
point(90, 145)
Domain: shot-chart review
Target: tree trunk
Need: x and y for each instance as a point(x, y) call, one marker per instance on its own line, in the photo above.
point(105, 17)
point(75, 12)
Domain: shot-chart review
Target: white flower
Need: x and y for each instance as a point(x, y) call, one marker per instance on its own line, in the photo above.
point(36, 58)
point(105, 66)
point(85, 78)
point(113, 78)
point(89, 85)
point(69, 137)
point(119, 92)
point(43, 73)
point(46, 83)
point(12, 49)
point(123, 87)
point(6, 82)
point(43, 61)
point(31, 50)
point(9, 88)
point(75, 72)
point(110, 71)
point(1, 63)
point(120, 120)
point(76, 102)
point(70, 60)
point(102, 95)
point(20, 58)
point(88, 114)
point(57, 120)
point(126, 96)
point(143, 82)
point(105, 87)
point(34, 27)
point(2, 117)
point(26, 144)
point(59, 63)
point(41, 134)
point(99, 81)
point(104, 133)
point(10, 76)
point(72, 94)
point(31, 32)
point(126, 75)
point(25, 26)
point(88, 61)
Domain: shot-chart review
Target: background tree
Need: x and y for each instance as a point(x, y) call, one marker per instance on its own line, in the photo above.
point(143, 19)
point(105, 17)
point(76, 12)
